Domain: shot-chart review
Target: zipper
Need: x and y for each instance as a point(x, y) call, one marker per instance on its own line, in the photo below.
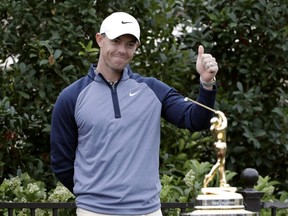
point(115, 101)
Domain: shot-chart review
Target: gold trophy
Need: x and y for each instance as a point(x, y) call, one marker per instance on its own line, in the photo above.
point(222, 200)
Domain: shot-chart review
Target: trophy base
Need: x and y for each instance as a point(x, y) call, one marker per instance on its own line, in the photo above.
point(218, 190)
point(219, 198)
point(220, 201)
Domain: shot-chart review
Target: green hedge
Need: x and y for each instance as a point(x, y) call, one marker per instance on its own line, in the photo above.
point(54, 44)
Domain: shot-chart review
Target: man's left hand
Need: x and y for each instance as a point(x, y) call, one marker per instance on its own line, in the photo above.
point(206, 65)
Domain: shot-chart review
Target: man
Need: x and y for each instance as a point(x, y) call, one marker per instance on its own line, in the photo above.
point(105, 133)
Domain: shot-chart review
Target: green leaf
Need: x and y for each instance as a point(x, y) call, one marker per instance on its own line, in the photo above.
point(22, 67)
point(24, 95)
point(68, 68)
point(240, 86)
point(57, 54)
point(43, 62)
point(260, 133)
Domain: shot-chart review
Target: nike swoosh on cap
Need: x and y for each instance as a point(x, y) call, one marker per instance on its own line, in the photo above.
point(123, 22)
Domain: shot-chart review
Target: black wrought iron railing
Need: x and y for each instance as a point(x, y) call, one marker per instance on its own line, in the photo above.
point(252, 202)
point(274, 206)
point(56, 207)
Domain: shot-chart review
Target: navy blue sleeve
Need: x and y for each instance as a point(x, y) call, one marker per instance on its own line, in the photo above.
point(63, 139)
point(64, 131)
point(185, 114)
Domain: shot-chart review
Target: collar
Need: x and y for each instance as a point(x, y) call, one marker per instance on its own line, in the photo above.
point(94, 74)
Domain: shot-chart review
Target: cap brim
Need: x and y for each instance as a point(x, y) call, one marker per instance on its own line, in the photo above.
point(117, 33)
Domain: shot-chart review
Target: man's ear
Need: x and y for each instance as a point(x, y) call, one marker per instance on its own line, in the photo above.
point(99, 39)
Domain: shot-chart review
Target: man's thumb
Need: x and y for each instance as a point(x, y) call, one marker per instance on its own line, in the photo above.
point(200, 50)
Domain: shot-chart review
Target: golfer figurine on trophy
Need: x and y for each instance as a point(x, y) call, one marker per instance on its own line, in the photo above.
point(222, 200)
point(218, 129)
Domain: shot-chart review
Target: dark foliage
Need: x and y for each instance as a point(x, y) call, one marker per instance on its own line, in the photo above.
point(53, 43)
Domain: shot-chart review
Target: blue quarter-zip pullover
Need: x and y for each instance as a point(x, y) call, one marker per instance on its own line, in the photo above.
point(105, 139)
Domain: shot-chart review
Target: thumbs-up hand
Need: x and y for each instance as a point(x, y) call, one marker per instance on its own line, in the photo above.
point(206, 66)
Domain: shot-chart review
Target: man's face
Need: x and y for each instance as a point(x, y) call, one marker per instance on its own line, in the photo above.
point(117, 53)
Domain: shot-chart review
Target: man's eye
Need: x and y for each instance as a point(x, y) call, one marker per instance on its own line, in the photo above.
point(131, 45)
point(116, 41)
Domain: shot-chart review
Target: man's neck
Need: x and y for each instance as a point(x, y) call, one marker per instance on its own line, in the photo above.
point(109, 75)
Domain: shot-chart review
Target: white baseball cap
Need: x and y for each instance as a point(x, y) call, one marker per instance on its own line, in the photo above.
point(120, 23)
